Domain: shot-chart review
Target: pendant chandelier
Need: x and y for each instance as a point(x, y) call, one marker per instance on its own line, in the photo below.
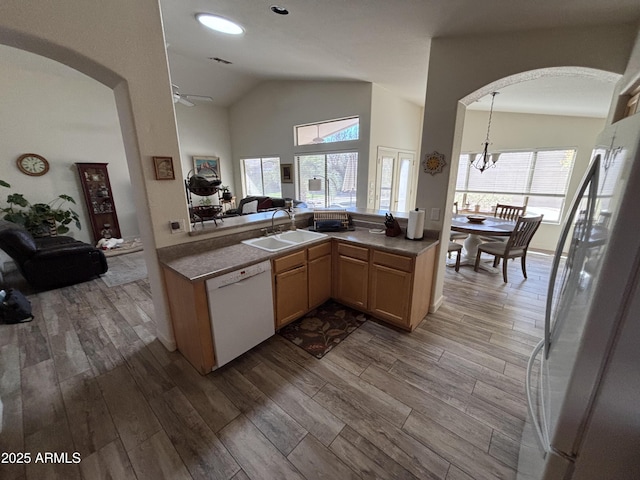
point(485, 160)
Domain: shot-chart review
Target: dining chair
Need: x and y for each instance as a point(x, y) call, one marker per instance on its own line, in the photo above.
point(507, 212)
point(516, 246)
point(453, 236)
point(455, 247)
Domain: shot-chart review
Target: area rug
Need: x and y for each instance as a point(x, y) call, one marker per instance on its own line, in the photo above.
point(125, 269)
point(323, 328)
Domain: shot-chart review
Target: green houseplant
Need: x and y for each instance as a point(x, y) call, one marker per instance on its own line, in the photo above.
point(40, 219)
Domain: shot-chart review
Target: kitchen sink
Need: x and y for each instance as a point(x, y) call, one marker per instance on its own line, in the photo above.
point(300, 236)
point(270, 244)
point(284, 240)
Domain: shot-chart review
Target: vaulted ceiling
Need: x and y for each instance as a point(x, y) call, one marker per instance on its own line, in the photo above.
point(383, 42)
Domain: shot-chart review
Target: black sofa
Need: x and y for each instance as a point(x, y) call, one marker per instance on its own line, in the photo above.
point(265, 204)
point(51, 262)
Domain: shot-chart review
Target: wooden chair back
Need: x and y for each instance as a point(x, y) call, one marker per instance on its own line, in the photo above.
point(455, 207)
point(523, 232)
point(509, 212)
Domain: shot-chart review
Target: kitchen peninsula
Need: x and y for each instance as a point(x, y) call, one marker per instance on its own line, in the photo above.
point(389, 278)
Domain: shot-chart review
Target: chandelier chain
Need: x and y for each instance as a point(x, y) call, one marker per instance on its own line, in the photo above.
point(485, 161)
point(493, 97)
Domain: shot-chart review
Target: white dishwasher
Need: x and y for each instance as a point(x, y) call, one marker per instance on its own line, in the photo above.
point(241, 310)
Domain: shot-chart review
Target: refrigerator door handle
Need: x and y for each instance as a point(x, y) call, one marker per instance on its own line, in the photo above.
point(590, 180)
point(534, 418)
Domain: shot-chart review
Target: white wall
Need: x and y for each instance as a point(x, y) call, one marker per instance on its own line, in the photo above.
point(395, 123)
point(203, 130)
point(517, 131)
point(57, 112)
point(262, 122)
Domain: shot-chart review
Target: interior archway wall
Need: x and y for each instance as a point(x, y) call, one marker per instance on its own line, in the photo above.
point(470, 67)
point(120, 44)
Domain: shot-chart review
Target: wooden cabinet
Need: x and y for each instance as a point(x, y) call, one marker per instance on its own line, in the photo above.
point(302, 281)
point(98, 197)
point(290, 287)
point(319, 269)
point(189, 310)
point(351, 274)
point(291, 295)
point(391, 287)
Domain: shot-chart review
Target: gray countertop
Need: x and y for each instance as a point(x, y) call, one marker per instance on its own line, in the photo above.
point(201, 266)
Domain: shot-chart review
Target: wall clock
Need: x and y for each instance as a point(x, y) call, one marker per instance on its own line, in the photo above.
point(32, 164)
point(433, 162)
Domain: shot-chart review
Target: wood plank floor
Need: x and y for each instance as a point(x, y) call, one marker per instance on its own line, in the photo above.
point(444, 402)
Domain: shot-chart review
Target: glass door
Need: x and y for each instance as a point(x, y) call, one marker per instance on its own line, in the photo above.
point(384, 179)
point(405, 185)
point(394, 183)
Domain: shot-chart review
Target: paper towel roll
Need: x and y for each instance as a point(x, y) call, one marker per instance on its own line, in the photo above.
point(415, 227)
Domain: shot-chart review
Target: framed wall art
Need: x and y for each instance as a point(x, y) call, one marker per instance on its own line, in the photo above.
point(164, 168)
point(208, 167)
point(286, 173)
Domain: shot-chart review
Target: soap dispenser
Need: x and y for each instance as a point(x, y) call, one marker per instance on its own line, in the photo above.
point(293, 219)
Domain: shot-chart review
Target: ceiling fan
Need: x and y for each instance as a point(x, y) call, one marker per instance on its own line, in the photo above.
point(185, 98)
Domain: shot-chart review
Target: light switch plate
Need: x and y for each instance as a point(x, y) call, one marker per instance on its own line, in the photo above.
point(435, 214)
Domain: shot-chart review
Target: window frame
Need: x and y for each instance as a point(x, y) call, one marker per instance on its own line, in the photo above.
point(526, 194)
point(325, 154)
point(297, 144)
point(262, 158)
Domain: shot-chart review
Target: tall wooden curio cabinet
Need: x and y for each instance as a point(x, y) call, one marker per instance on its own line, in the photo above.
point(96, 187)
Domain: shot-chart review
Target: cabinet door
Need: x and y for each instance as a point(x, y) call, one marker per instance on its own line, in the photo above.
point(390, 294)
point(291, 295)
point(351, 281)
point(319, 280)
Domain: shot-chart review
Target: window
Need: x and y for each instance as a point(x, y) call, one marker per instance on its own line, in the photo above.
point(338, 175)
point(537, 179)
point(261, 176)
point(340, 130)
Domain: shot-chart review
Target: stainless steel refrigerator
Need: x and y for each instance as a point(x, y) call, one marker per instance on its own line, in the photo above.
point(583, 380)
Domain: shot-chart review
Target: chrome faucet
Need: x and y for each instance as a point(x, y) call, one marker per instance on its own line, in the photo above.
point(273, 228)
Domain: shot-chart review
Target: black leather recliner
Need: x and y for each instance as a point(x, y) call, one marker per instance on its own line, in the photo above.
point(51, 262)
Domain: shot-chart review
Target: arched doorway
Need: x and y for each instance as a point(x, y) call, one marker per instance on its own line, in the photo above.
point(135, 68)
point(470, 67)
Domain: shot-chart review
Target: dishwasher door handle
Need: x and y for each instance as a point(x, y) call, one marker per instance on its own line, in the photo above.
point(239, 282)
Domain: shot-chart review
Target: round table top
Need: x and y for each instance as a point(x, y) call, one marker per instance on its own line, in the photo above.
point(492, 226)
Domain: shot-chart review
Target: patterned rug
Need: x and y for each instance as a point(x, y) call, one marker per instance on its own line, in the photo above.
point(323, 328)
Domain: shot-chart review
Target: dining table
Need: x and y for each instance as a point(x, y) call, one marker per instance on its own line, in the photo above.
point(489, 227)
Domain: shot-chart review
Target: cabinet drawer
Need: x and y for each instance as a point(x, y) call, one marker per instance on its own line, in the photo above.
point(399, 262)
point(353, 251)
point(318, 251)
point(289, 261)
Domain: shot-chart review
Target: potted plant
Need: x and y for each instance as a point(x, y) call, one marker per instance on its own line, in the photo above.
point(40, 219)
point(226, 193)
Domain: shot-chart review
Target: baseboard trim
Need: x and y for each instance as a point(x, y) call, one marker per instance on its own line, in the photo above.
point(433, 308)
point(168, 344)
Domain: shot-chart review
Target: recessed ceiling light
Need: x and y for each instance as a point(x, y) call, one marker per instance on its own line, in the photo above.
point(219, 24)
point(279, 10)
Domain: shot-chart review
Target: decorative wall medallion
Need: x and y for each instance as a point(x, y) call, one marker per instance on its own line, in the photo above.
point(32, 164)
point(433, 162)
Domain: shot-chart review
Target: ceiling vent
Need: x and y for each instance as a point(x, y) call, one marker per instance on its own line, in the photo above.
point(221, 60)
